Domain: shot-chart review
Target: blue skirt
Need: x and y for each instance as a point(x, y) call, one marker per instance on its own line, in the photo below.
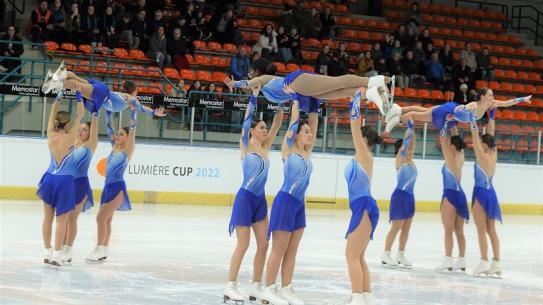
point(440, 113)
point(82, 188)
point(58, 192)
point(306, 103)
point(458, 201)
point(489, 202)
point(248, 209)
point(358, 206)
point(100, 93)
point(402, 205)
point(112, 190)
point(287, 214)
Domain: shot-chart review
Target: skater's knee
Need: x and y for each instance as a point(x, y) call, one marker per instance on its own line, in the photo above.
point(262, 247)
point(352, 255)
point(242, 245)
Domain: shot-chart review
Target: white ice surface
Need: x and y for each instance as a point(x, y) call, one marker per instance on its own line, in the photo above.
point(175, 254)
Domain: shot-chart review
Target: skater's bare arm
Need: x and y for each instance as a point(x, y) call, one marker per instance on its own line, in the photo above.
point(52, 115)
point(477, 143)
point(290, 135)
point(80, 113)
point(491, 127)
point(313, 126)
point(130, 145)
point(260, 81)
point(246, 129)
point(93, 137)
point(276, 125)
point(512, 102)
point(110, 129)
point(356, 119)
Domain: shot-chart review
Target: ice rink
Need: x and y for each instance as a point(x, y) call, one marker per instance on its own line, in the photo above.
point(177, 254)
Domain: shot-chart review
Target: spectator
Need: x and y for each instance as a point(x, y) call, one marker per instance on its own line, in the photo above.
point(300, 16)
point(59, 21)
point(402, 36)
point(140, 29)
point(312, 25)
point(109, 23)
point(124, 29)
point(413, 38)
point(157, 48)
point(267, 43)
point(429, 50)
point(73, 24)
point(394, 67)
point(323, 59)
point(365, 65)
point(284, 42)
point(425, 38)
point(469, 56)
point(180, 91)
point(397, 48)
point(435, 71)
point(225, 25)
point(296, 46)
point(287, 20)
point(412, 68)
point(12, 49)
point(328, 23)
point(344, 58)
point(156, 22)
point(462, 96)
point(177, 49)
point(255, 56)
point(446, 58)
point(485, 67)
point(334, 66)
point(388, 45)
point(135, 9)
point(235, 37)
point(380, 66)
point(418, 53)
point(91, 26)
point(414, 18)
point(240, 65)
point(376, 52)
point(462, 74)
point(42, 23)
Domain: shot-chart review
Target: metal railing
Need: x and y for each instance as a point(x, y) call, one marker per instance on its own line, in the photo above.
point(523, 13)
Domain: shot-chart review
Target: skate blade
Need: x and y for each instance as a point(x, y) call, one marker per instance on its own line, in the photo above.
point(92, 261)
point(227, 299)
point(446, 271)
point(482, 274)
point(388, 265)
point(495, 275)
point(391, 93)
point(405, 266)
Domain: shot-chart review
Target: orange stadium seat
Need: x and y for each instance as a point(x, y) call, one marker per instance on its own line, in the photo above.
point(171, 73)
point(204, 76)
point(188, 74)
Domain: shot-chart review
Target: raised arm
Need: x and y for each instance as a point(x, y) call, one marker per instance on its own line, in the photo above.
point(446, 147)
point(160, 112)
point(93, 137)
point(246, 129)
point(290, 135)
point(130, 145)
point(80, 113)
point(477, 143)
point(110, 129)
point(356, 119)
point(514, 101)
point(260, 81)
point(276, 125)
point(408, 148)
point(53, 113)
point(491, 126)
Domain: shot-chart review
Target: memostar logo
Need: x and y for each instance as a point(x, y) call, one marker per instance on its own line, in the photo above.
point(25, 90)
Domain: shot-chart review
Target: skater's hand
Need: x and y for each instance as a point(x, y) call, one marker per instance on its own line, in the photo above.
point(288, 89)
point(160, 112)
point(255, 91)
point(230, 82)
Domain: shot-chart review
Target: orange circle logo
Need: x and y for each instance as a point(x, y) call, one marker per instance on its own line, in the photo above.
point(101, 167)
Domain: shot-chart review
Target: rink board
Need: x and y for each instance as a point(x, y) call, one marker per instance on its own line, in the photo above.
point(211, 176)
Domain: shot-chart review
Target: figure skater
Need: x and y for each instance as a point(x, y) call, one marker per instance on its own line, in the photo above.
point(84, 149)
point(250, 207)
point(402, 202)
point(454, 205)
point(56, 187)
point(114, 194)
point(485, 206)
point(365, 212)
point(287, 219)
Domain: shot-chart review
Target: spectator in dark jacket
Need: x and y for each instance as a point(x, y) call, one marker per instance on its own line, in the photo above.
point(139, 6)
point(394, 67)
point(91, 26)
point(435, 71)
point(296, 46)
point(73, 24)
point(412, 68)
point(283, 43)
point(124, 30)
point(462, 96)
point(59, 21)
point(425, 38)
point(177, 49)
point(156, 22)
point(446, 58)
point(414, 17)
point(327, 24)
point(140, 29)
point(484, 65)
point(402, 36)
point(240, 65)
point(109, 23)
point(42, 23)
point(10, 49)
point(462, 75)
point(377, 52)
point(323, 59)
point(429, 50)
point(418, 52)
point(334, 66)
point(380, 66)
point(157, 48)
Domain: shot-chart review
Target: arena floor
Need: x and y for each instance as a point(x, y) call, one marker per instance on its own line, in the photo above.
point(176, 254)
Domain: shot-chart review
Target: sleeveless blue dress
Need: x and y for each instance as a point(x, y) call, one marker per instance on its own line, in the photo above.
point(116, 164)
point(288, 210)
point(485, 193)
point(56, 186)
point(83, 156)
point(452, 190)
point(250, 205)
point(402, 202)
point(360, 199)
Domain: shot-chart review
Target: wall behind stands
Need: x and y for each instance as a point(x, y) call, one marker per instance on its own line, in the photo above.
point(184, 174)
